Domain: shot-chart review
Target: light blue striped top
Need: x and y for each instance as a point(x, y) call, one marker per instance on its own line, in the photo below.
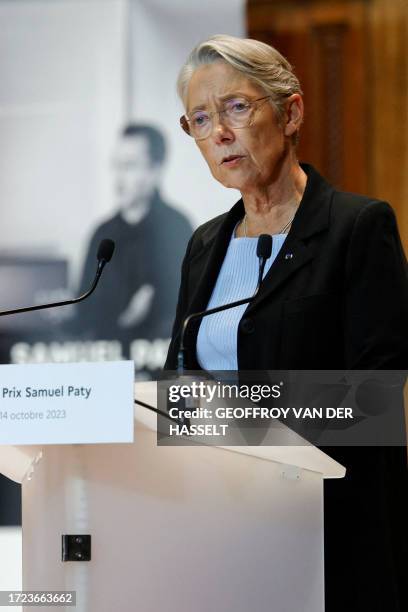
point(217, 336)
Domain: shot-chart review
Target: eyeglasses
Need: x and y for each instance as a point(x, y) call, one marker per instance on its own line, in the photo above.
point(237, 113)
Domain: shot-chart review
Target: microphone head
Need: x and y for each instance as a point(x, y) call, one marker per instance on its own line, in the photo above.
point(105, 250)
point(264, 246)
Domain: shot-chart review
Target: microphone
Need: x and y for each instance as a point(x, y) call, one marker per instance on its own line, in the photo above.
point(104, 255)
point(105, 250)
point(263, 252)
point(264, 246)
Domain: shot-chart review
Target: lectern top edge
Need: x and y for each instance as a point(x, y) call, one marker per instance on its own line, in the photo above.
point(303, 455)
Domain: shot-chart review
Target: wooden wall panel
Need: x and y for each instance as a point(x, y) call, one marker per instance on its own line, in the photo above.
point(352, 60)
point(324, 42)
point(388, 56)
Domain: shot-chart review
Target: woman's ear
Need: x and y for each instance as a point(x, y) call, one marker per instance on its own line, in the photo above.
point(294, 114)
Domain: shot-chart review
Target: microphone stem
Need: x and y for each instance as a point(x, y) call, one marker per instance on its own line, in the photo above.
point(206, 313)
point(157, 411)
point(65, 303)
point(262, 263)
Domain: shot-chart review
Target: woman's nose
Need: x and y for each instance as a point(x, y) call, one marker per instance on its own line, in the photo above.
point(220, 131)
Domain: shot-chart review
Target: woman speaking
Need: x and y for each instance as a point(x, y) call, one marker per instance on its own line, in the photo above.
point(334, 294)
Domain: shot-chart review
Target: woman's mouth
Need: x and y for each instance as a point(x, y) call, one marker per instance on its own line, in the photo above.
point(232, 160)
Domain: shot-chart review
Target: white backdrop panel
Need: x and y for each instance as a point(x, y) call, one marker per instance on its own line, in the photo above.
point(162, 34)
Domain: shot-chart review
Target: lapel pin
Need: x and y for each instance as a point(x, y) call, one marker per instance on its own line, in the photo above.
point(289, 256)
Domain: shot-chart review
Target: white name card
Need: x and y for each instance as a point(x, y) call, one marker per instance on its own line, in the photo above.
point(66, 403)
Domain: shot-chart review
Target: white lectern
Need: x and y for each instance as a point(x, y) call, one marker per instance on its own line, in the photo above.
point(175, 528)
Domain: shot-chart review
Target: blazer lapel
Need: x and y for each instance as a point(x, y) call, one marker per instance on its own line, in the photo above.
point(293, 255)
point(215, 243)
point(312, 218)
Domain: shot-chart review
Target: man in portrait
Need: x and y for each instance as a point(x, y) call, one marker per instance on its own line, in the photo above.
point(138, 292)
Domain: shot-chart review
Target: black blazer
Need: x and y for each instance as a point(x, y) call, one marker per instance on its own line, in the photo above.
point(336, 297)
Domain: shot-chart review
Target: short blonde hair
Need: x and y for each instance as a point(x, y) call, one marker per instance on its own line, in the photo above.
point(259, 62)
